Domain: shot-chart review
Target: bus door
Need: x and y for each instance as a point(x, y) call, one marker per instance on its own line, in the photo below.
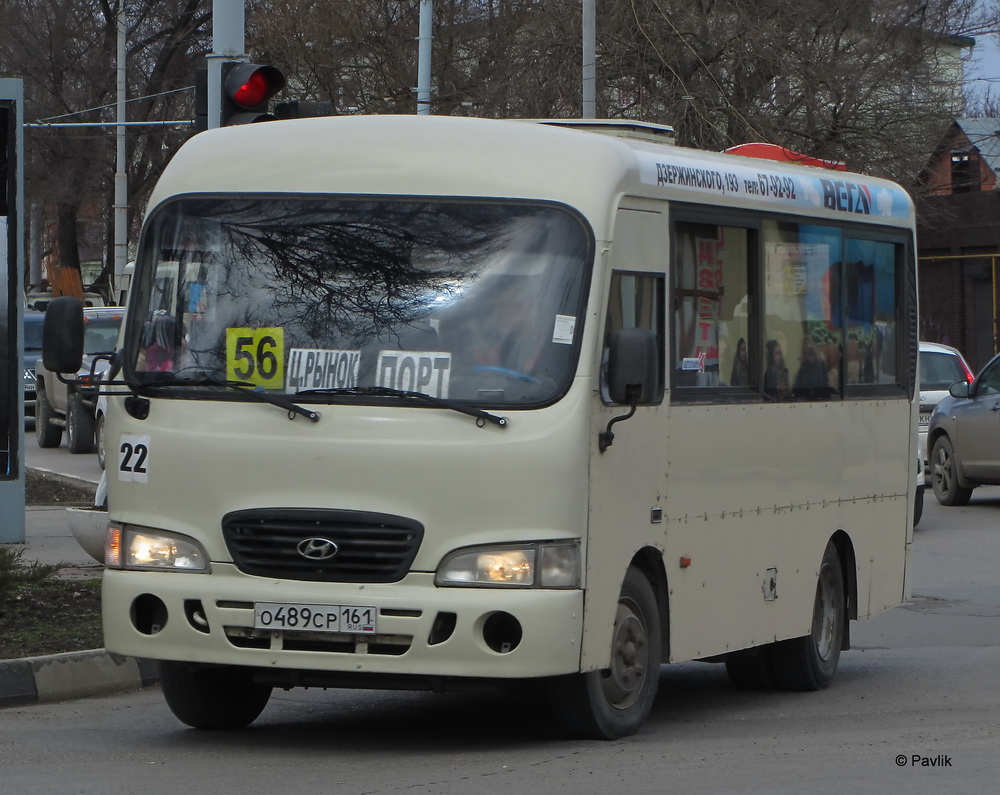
point(627, 488)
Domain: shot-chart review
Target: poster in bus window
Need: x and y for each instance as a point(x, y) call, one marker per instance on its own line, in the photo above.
point(708, 270)
point(797, 280)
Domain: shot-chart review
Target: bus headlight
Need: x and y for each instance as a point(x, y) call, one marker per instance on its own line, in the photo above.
point(544, 565)
point(144, 548)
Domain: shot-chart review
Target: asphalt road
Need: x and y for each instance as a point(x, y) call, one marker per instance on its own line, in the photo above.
point(59, 459)
point(914, 708)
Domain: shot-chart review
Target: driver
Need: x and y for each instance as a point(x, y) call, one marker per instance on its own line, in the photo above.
point(506, 336)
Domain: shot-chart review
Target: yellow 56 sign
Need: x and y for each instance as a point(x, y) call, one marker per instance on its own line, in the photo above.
point(256, 356)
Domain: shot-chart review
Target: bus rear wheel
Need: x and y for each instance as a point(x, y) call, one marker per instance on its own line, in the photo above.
point(614, 702)
point(212, 697)
point(809, 662)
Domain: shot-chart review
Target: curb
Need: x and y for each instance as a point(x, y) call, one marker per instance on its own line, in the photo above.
point(69, 480)
point(60, 677)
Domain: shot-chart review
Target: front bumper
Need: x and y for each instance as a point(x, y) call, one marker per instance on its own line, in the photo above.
point(423, 630)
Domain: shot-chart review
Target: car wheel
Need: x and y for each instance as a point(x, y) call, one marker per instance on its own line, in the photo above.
point(613, 703)
point(99, 439)
point(46, 434)
point(79, 425)
point(212, 697)
point(944, 474)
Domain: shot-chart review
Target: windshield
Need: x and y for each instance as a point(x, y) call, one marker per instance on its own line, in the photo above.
point(476, 302)
point(938, 371)
point(100, 334)
point(33, 325)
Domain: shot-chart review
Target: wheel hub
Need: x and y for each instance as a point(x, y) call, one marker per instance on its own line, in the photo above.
point(629, 652)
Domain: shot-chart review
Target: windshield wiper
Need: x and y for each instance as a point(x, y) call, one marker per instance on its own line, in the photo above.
point(247, 389)
point(482, 417)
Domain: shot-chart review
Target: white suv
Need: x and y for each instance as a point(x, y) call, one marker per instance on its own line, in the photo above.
point(940, 367)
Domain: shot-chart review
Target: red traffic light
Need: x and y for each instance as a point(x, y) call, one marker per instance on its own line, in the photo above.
point(246, 89)
point(262, 84)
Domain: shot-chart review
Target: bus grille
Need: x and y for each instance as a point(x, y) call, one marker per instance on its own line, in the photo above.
point(322, 545)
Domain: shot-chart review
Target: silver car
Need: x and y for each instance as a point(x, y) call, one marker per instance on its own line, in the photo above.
point(964, 437)
point(940, 367)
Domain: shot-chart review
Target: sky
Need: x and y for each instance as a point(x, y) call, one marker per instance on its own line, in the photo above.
point(982, 71)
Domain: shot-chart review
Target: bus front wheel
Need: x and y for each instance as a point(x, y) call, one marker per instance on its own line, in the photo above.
point(212, 697)
point(614, 702)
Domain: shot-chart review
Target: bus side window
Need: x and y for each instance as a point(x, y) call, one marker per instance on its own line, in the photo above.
point(635, 301)
point(712, 328)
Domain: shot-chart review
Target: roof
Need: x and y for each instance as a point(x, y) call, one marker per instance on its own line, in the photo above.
point(462, 156)
point(984, 134)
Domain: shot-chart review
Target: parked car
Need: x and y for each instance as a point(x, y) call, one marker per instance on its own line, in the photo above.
point(940, 367)
point(62, 405)
point(964, 437)
point(33, 322)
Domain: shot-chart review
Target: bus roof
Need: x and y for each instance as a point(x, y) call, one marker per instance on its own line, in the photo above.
point(471, 157)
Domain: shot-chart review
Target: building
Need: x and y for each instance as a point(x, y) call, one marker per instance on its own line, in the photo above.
point(958, 240)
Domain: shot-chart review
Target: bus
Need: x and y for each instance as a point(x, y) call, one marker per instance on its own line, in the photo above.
point(428, 402)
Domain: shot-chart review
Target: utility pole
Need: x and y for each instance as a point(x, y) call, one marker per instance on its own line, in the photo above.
point(589, 60)
point(424, 37)
point(121, 173)
point(227, 45)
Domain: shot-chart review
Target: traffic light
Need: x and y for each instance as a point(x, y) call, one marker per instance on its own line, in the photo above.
point(302, 109)
point(201, 99)
point(246, 90)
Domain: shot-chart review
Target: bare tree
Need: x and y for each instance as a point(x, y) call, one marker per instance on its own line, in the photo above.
point(66, 52)
point(858, 81)
point(863, 81)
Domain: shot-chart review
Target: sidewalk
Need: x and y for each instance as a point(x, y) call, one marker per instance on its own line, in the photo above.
point(76, 674)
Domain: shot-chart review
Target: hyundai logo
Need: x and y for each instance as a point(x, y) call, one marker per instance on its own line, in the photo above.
point(317, 548)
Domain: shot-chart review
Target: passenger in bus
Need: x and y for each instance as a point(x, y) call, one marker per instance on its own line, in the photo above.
point(855, 357)
point(776, 382)
point(812, 381)
point(740, 375)
point(161, 343)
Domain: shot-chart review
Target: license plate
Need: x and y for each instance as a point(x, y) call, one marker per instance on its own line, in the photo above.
point(350, 619)
point(924, 421)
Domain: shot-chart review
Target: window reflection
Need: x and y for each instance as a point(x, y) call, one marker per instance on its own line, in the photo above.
point(477, 302)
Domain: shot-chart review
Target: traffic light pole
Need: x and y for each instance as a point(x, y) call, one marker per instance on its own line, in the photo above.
point(227, 45)
point(11, 309)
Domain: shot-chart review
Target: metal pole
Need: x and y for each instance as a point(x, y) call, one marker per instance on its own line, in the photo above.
point(171, 122)
point(227, 45)
point(424, 38)
point(589, 60)
point(121, 174)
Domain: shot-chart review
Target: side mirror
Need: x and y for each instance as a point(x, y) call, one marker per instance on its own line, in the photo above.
point(632, 374)
point(632, 365)
point(62, 335)
point(959, 389)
